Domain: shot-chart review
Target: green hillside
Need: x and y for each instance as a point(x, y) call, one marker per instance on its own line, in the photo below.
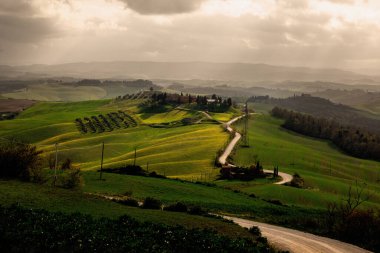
point(35, 196)
point(327, 171)
point(183, 151)
point(66, 91)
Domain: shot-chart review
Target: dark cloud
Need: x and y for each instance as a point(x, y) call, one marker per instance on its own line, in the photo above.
point(292, 33)
point(15, 7)
point(158, 7)
point(25, 29)
point(20, 22)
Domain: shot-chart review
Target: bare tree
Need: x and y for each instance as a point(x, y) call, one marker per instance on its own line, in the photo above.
point(337, 214)
point(355, 197)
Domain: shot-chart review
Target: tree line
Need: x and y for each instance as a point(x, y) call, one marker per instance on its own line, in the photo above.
point(214, 103)
point(323, 108)
point(139, 83)
point(353, 140)
point(101, 123)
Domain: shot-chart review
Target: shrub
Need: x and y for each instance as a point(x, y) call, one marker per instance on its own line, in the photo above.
point(67, 165)
point(255, 231)
point(154, 174)
point(128, 193)
point(127, 170)
point(71, 179)
point(177, 207)
point(151, 203)
point(19, 160)
point(128, 202)
point(187, 121)
point(208, 184)
point(297, 181)
point(38, 175)
point(274, 201)
point(196, 210)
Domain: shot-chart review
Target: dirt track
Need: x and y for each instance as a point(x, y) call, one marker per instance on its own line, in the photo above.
point(285, 238)
point(231, 145)
point(296, 241)
point(223, 158)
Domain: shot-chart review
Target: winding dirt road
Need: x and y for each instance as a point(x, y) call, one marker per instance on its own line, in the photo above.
point(231, 145)
point(296, 241)
point(284, 238)
point(286, 178)
point(223, 158)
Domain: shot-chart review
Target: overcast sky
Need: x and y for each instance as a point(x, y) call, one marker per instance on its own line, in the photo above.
point(316, 33)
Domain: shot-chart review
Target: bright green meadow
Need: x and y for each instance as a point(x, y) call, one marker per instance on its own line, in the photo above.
point(184, 151)
point(327, 171)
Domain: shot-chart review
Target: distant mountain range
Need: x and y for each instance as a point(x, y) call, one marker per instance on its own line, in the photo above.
point(185, 71)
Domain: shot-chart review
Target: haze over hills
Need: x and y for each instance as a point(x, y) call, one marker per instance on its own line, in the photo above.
point(185, 71)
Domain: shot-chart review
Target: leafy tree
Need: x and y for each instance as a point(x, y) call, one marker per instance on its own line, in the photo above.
point(71, 179)
point(19, 160)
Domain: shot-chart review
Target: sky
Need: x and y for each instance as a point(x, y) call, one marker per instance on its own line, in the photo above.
point(311, 33)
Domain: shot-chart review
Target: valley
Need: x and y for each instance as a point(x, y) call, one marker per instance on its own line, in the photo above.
point(190, 162)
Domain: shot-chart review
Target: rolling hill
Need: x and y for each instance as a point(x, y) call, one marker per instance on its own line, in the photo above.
point(184, 151)
point(326, 170)
point(182, 70)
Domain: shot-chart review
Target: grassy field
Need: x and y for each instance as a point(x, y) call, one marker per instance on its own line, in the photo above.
point(170, 191)
point(222, 116)
point(169, 116)
point(212, 198)
point(56, 92)
point(185, 151)
point(327, 171)
point(45, 197)
point(70, 92)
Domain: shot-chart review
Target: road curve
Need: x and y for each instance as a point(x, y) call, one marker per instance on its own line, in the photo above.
point(286, 178)
point(231, 145)
point(296, 241)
